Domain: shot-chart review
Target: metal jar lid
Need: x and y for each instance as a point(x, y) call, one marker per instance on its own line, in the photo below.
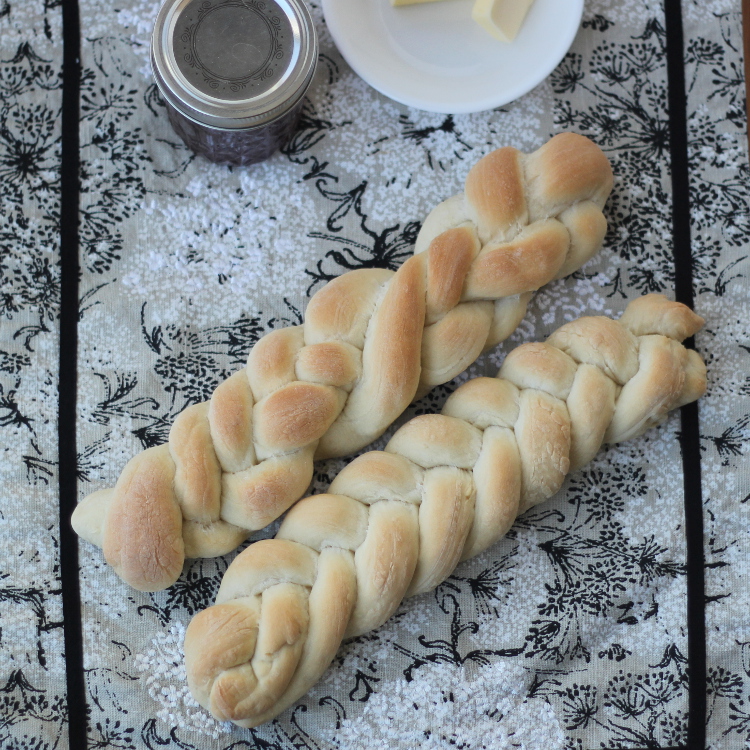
point(233, 63)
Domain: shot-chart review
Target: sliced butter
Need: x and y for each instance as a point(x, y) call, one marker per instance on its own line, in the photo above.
point(502, 18)
point(410, 2)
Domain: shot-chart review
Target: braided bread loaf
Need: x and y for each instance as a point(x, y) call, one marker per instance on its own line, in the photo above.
point(447, 486)
point(371, 341)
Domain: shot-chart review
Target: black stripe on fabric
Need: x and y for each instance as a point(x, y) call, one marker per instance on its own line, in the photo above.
point(67, 470)
point(690, 435)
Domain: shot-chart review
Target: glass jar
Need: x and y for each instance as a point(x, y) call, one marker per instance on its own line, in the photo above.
point(233, 73)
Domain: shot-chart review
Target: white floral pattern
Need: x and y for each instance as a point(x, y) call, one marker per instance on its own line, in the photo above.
point(445, 708)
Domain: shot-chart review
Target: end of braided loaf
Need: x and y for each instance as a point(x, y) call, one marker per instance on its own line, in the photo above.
point(372, 340)
point(396, 522)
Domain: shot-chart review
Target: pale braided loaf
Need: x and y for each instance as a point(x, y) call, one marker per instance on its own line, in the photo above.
point(447, 486)
point(371, 341)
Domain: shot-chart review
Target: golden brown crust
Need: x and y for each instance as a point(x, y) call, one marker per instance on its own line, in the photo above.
point(485, 402)
point(449, 257)
point(253, 497)
point(341, 310)
point(271, 361)
point(332, 521)
point(586, 227)
point(374, 339)
point(695, 379)
point(445, 518)
point(591, 404)
point(497, 478)
point(377, 475)
point(230, 415)
point(540, 366)
point(219, 638)
point(447, 487)
point(655, 314)
point(566, 165)
point(518, 266)
point(432, 440)
point(394, 336)
point(197, 476)
point(543, 435)
point(298, 413)
point(142, 538)
point(654, 390)
point(495, 194)
point(266, 563)
point(602, 342)
point(211, 539)
point(334, 363)
point(385, 564)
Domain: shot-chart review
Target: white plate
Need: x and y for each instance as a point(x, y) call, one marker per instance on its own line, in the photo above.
point(434, 57)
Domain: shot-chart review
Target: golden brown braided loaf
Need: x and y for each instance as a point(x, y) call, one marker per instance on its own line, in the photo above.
point(371, 341)
point(447, 486)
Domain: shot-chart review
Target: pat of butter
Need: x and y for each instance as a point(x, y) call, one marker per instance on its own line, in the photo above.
point(502, 18)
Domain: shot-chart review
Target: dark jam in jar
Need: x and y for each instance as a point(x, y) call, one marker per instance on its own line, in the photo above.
point(233, 73)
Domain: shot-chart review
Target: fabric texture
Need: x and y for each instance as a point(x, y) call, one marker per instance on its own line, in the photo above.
point(572, 632)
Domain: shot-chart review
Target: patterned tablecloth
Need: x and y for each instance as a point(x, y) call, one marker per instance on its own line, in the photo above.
point(587, 626)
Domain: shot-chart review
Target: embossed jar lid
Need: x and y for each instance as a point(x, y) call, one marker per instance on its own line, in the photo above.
point(233, 63)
